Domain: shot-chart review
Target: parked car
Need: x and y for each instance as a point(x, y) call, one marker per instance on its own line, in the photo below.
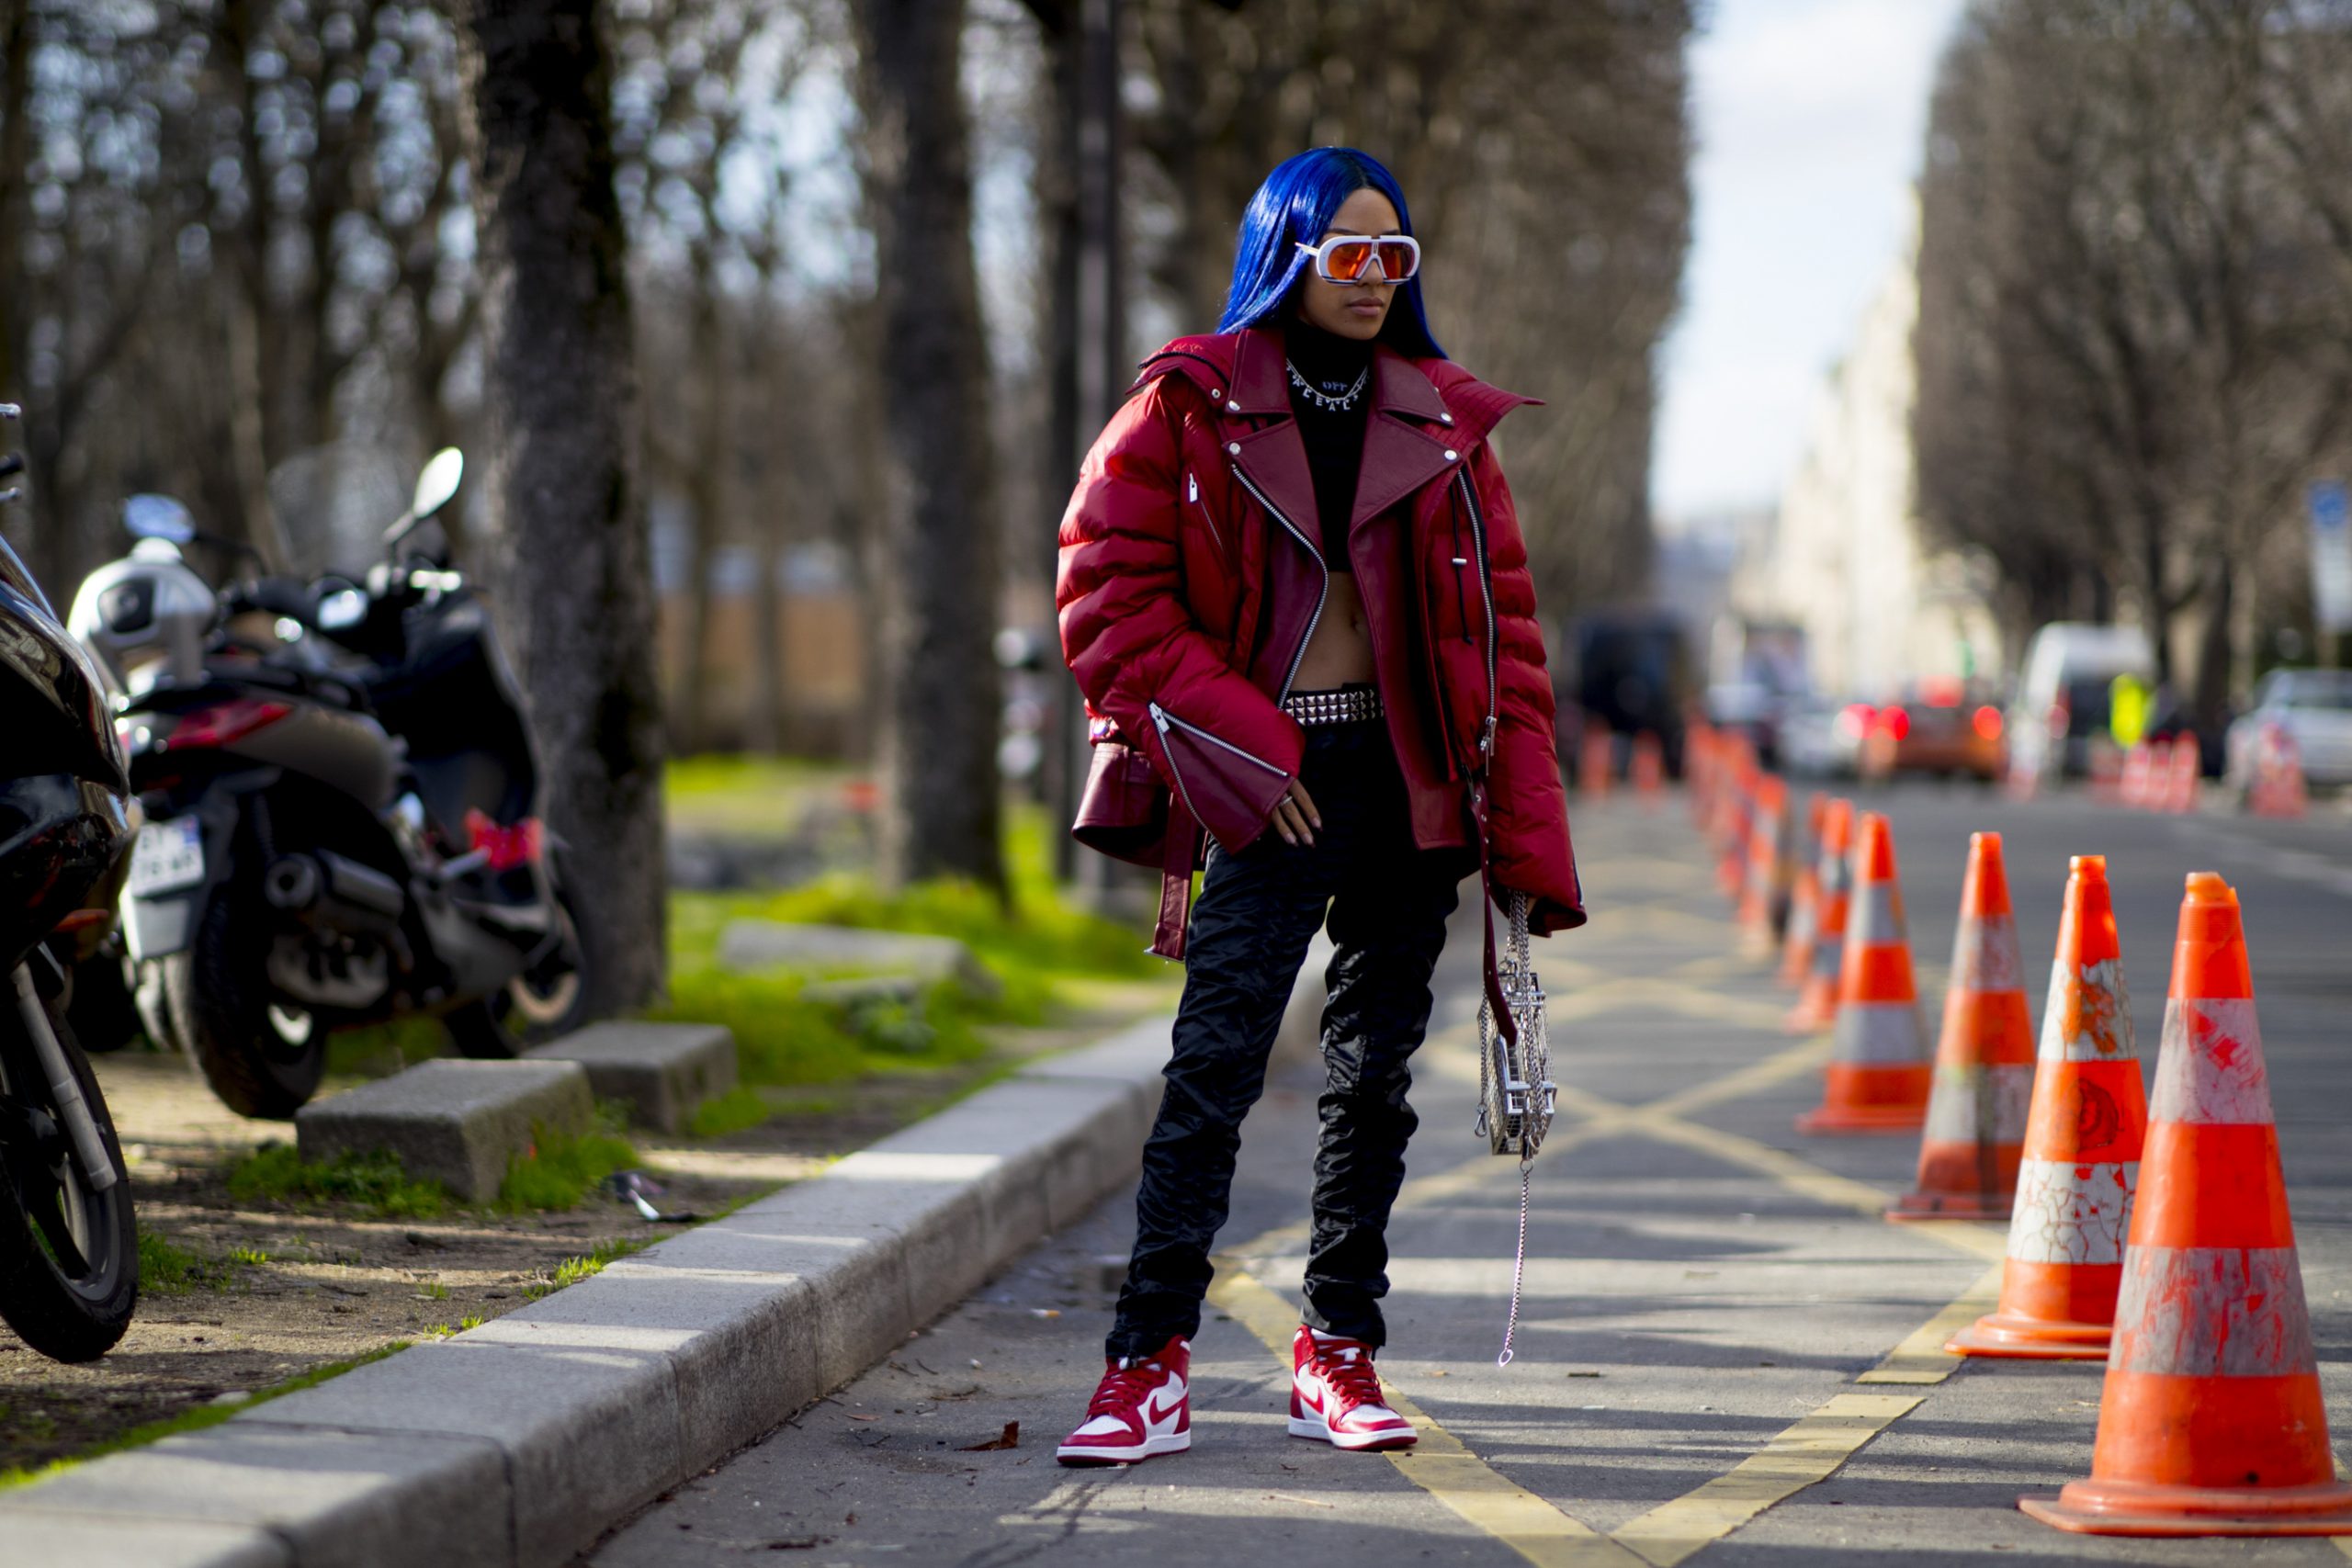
point(1821, 738)
point(2314, 708)
point(2061, 710)
point(1940, 728)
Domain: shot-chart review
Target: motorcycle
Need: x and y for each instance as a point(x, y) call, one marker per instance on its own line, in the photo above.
point(343, 809)
point(69, 1243)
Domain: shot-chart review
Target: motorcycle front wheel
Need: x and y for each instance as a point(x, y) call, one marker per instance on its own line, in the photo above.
point(68, 1255)
point(263, 1057)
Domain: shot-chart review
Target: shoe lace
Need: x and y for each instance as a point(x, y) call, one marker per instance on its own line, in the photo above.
point(1123, 1387)
point(1347, 1371)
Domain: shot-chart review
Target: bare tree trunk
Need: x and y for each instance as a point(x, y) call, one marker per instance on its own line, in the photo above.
point(568, 553)
point(934, 576)
point(707, 493)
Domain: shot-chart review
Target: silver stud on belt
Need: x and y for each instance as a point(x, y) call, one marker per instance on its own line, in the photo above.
point(1349, 705)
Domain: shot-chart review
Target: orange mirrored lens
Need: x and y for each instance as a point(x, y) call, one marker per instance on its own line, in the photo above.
point(1347, 262)
point(1397, 261)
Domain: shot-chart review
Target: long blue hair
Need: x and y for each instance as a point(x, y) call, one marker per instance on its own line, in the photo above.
point(1294, 207)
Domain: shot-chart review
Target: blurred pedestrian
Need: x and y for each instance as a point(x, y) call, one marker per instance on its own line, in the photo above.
point(1296, 593)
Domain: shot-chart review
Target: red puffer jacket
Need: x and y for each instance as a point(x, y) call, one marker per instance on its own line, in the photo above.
point(1190, 579)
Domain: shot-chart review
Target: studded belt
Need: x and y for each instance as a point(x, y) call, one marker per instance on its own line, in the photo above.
point(1347, 704)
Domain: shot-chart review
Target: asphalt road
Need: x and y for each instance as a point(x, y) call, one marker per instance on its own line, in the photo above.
point(1704, 1285)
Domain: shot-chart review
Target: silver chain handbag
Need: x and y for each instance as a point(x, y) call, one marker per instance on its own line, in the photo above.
point(1516, 1095)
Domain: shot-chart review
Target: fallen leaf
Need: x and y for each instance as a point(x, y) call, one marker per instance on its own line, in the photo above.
point(865, 1419)
point(1307, 1501)
point(1008, 1438)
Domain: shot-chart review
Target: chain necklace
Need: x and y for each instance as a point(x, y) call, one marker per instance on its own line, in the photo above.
point(1328, 402)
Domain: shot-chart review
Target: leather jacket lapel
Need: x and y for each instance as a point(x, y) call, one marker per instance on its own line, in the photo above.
point(1271, 458)
point(1407, 440)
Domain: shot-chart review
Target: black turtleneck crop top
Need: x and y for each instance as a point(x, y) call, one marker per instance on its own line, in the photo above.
point(1335, 367)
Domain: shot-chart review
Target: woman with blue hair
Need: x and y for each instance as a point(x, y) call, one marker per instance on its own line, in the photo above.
point(1295, 593)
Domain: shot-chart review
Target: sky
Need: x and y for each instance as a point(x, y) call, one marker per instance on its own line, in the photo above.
point(1810, 116)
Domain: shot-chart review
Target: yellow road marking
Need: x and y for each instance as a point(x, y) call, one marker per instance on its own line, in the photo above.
point(1922, 1358)
point(1794, 1460)
point(1439, 1463)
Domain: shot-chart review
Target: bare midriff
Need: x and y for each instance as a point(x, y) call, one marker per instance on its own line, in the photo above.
point(1340, 651)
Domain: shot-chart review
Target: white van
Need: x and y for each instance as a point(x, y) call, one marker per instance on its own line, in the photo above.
point(2061, 698)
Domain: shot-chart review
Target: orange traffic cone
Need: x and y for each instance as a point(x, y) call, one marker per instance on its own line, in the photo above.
point(1597, 759)
point(2211, 1422)
point(1648, 769)
point(1818, 1003)
point(1699, 773)
point(2082, 1149)
point(1804, 897)
point(1968, 1155)
point(1765, 842)
point(1879, 1071)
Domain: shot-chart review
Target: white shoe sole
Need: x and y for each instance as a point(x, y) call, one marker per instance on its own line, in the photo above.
point(1094, 1453)
point(1315, 1427)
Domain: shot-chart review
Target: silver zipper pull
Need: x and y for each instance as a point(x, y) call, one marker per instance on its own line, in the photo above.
point(1191, 487)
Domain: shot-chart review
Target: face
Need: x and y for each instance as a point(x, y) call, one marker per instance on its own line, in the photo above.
point(1351, 309)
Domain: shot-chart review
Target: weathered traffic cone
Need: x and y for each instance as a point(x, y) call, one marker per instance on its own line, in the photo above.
point(2082, 1149)
point(2278, 789)
point(2182, 770)
point(1984, 1082)
point(1648, 769)
point(1818, 1003)
point(2137, 763)
point(1804, 897)
point(1766, 852)
point(1878, 1072)
point(2211, 1422)
point(1699, 773)
point(1596, 761)
point(1734, 822)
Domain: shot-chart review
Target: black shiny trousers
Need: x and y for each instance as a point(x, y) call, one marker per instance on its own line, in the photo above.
point(1387, 903)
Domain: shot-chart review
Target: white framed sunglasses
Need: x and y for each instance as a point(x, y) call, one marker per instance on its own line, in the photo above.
point(1366, 258)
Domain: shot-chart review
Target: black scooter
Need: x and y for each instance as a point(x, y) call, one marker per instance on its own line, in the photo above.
point(69, 1244)
point(343, 807)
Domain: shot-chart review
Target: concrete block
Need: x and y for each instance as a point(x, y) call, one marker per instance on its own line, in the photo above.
point(586, 1417)
point(770, 944)
point(455, 1121)
point(1135, 1055)
point(339, 1499)
point(660, 1071)
point(860, 989)
point(34, 1536)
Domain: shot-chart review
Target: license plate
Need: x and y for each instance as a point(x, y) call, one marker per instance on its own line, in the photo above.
point(167, 856)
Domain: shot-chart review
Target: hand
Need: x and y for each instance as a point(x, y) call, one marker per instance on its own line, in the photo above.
point(1295, 817)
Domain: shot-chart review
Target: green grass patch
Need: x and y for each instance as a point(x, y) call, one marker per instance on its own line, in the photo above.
point(166, 1270)
point(194, 1420)
point(571, 1270)
point(374, 1183)
point(251, 1257)
point(380, 1050)
point(738, 1110)
point(562, 1170)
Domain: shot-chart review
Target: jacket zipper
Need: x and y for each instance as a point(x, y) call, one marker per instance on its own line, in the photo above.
point(1325, 593)
point(1192, 494)
point(1162, 720)
point(1487, 592)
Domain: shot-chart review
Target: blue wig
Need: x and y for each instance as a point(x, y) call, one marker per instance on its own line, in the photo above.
point(1294, 206)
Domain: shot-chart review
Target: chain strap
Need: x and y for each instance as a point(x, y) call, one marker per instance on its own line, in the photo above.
point(1523, 1135)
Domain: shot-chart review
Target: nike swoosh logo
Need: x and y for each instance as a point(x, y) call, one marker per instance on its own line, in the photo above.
point(1173, 1393)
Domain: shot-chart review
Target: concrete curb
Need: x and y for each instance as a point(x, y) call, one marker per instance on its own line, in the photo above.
point(519, 1443)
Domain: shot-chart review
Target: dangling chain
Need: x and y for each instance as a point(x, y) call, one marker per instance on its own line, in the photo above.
point(1517, 1262)
point(1328, 401)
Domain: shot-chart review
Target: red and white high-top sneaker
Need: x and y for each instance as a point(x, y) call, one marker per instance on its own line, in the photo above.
point(1335, 1395)
point(1143, 1406)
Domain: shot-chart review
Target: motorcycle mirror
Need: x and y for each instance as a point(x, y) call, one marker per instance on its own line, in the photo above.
point(438, 483)
point(158, 517)
point(339, 612)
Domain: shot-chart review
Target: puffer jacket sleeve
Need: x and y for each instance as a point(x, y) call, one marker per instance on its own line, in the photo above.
point(1222, 744)
point(1527, 802)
